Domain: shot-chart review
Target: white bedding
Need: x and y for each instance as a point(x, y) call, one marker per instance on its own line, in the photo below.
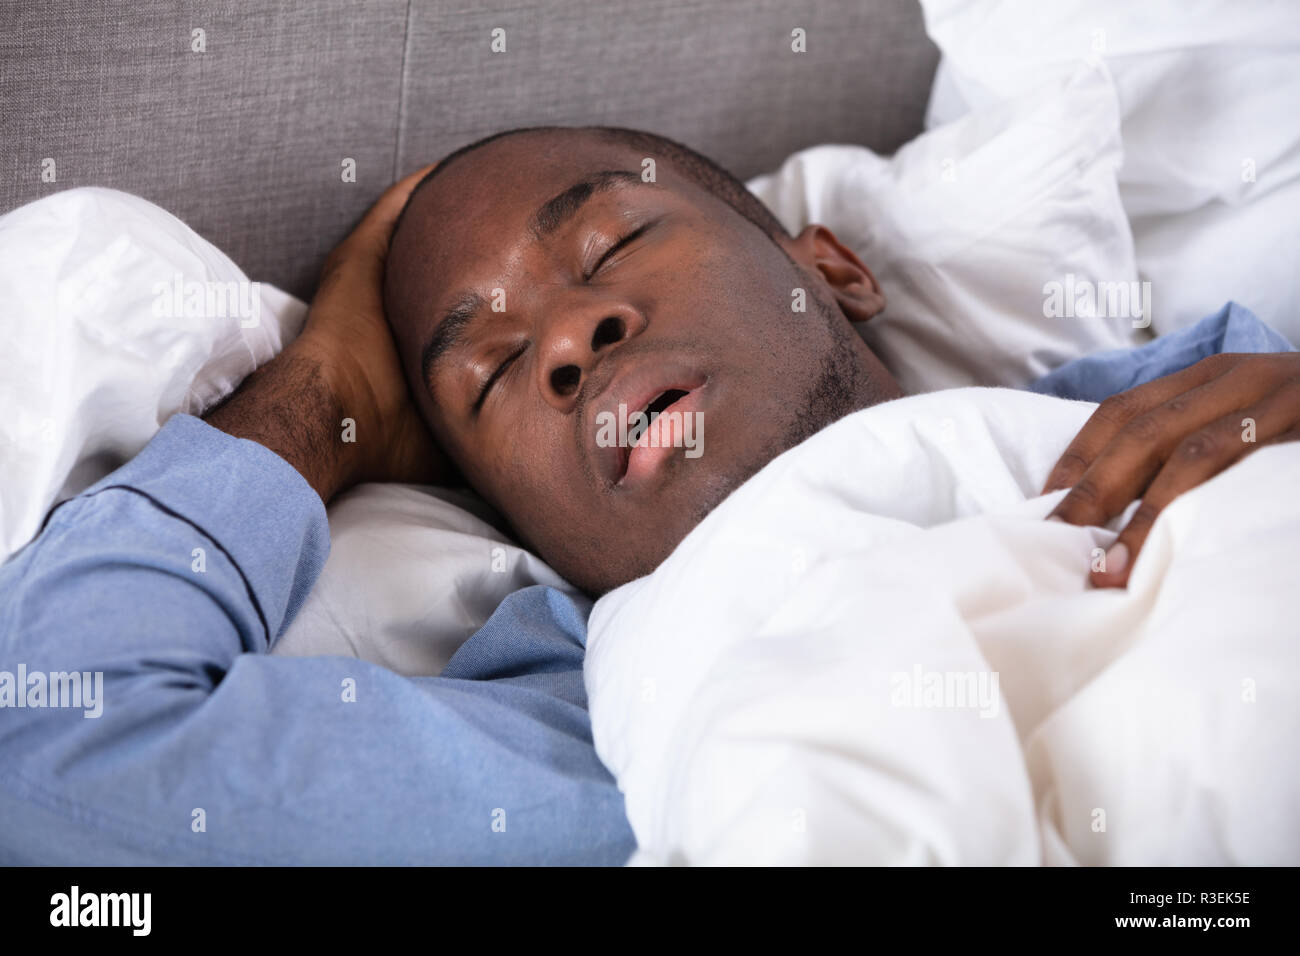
point(967, 226)
point(1211, 173)
point(764, 696)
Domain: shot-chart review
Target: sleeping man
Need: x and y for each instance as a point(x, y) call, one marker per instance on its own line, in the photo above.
point(535, 285)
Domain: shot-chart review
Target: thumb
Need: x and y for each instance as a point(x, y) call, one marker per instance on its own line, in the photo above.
point(371, 236)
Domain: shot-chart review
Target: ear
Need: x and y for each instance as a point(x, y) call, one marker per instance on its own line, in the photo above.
point(855, 289)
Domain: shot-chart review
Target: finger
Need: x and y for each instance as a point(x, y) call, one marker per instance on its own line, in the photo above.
point(1117, 411)
point(383, 214)
point(1122, 471)
point(1198, 458)
point(370, 237)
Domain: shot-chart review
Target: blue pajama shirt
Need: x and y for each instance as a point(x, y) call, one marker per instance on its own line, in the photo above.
point(207, 750)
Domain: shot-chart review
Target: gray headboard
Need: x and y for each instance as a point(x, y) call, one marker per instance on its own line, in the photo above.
point(246, 140)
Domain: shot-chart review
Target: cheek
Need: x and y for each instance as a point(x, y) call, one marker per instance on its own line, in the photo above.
point(746, 286)
point(501, 475)
point(522, 465)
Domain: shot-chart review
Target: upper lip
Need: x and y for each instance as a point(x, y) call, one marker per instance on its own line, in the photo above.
point(634, 383)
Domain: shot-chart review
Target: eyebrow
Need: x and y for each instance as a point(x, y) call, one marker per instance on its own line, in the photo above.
point(546, 221)
point(450, 331)
point(559, 209)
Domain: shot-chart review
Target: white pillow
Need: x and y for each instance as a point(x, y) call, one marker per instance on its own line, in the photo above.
point(967, 227)
point(97, 354)
point(100, 353)
point(1208, 95)
point(413, 572)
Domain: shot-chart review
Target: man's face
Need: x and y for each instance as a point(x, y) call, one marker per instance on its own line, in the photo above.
point(545, 294)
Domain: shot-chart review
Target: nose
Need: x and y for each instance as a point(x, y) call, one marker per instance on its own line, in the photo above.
point(575, 342)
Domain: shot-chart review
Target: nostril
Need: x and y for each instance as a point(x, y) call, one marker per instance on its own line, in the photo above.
point(609, 331)
point(565, 380)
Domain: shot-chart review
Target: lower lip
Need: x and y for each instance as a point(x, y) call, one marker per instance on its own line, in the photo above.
point(656, 445)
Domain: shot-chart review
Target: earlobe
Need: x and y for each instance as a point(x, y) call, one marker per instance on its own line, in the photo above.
point(855, 289)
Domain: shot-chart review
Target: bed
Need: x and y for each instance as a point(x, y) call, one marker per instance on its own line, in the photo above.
point(269, 132)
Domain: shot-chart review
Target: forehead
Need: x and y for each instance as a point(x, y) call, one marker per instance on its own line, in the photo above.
point(491, 194)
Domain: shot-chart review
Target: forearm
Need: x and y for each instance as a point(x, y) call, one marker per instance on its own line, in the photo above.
point(295, 406)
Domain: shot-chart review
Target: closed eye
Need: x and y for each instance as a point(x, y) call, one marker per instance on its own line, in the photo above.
point(619, 244)
point(501, 369)
point(496, 374)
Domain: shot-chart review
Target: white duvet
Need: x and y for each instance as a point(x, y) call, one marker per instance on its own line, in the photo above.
point(876, 651)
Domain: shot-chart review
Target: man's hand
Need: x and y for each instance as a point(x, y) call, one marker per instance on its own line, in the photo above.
point(1168, 436)
point(344, 365)
point(346, 327)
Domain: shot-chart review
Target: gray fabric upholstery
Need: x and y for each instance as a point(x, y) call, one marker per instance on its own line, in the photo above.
point(245, 141)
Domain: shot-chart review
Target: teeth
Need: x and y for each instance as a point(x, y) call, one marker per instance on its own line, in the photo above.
point(663, 401)
point(651, 412)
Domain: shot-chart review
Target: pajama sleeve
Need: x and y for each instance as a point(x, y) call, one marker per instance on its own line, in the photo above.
point(181, 740)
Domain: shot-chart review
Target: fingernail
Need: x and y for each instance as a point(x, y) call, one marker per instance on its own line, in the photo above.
point(1056, 518)
point(1116, 558)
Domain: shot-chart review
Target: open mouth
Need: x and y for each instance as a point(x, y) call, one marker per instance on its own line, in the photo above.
point(624, 416)
point(657, 406)
point(653, 411)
